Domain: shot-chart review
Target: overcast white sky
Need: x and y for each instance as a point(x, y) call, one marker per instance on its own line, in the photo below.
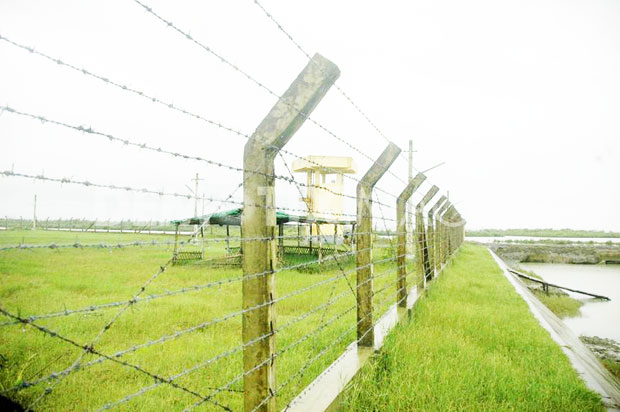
point(521, 99)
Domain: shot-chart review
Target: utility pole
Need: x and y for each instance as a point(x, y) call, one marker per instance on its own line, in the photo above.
point(196, 197)
point(34, 214)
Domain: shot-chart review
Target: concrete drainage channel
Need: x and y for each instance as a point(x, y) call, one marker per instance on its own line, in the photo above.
point(582, 359)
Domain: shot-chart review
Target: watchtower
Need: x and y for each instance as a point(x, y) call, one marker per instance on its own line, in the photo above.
point(325, 187)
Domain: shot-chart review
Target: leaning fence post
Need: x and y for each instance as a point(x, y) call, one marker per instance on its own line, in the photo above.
point(444, 233)
point(453, 228)
point(259, 221)
point(457, 230)
point(401, 230)
point(423, 263)
point(365, 333)
point(462, 230)
point(440, 235)
point(441, 217)
point(432, 236)
point(449, 240)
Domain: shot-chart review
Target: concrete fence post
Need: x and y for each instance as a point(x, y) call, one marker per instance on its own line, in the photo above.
point(440, 235)
point(432, 236)
point(365, 333)
point(454, 226)
point(402, 235)
point(446, 238)
point(259, 221)
point(444, 232)
point(448, 217)
point(458, 225)
point(423, 262)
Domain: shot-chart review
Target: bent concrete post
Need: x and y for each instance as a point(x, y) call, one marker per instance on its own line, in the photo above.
point(423, 262)
point(440, 235)
point(448, 217)
point(259, 222)
point(432, 236)
point(441, 216)
point(365, 334)
point(401, 230)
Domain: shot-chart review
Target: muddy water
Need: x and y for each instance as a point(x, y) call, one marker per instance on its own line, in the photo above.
point(489, 239)
point(598, 318)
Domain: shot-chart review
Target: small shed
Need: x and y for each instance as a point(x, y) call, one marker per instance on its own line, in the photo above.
point(319, 244)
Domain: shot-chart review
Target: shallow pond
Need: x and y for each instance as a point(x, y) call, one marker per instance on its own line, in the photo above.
point(490, 239)
point(598, 317)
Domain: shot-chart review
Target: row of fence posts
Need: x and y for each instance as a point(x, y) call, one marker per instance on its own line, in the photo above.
point(435, 244)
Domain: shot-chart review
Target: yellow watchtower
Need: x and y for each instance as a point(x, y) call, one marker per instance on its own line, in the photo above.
point(325, 185)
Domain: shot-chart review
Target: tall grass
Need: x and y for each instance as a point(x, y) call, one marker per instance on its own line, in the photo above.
point(46, 280)
point(472, 345)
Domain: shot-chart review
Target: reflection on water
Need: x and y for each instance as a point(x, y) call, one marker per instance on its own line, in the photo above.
point(598, 318)
point(491, 239)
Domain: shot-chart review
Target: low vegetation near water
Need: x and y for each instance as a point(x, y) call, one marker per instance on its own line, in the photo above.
point(558, 301)
point(472, 345)
point(564, 306)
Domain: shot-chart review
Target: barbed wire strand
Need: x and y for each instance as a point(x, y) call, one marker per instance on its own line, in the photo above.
point(109, 324)
point(74, 367)
point(144, 146)
point(342, 92)
point(251, 78)
point(86, 183)
point(88, 348)
point(149, 97)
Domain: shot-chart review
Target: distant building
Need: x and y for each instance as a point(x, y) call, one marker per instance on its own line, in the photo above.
point(325, 187)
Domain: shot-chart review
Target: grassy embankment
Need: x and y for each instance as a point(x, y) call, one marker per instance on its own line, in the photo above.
point(473, 345)
point(541, 233)
point(47, 280)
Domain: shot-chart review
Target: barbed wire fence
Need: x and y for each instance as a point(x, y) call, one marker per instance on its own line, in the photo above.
point(252, 335)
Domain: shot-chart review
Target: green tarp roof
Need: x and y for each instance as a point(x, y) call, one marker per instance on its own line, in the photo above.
point(233, 217)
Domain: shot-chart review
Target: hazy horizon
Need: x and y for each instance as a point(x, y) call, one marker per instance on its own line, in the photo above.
point(520, 100)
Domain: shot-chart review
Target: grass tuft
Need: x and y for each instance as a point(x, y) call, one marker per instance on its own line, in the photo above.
point(562, 305)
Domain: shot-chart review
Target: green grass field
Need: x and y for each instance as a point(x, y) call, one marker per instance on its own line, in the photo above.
point(473, 345)
point(36, 281)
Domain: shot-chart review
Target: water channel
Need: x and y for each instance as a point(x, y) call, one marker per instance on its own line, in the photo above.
point(490, 239)
point(598, 318)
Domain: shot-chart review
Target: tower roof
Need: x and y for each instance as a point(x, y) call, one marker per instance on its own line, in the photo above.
point(342, 164)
